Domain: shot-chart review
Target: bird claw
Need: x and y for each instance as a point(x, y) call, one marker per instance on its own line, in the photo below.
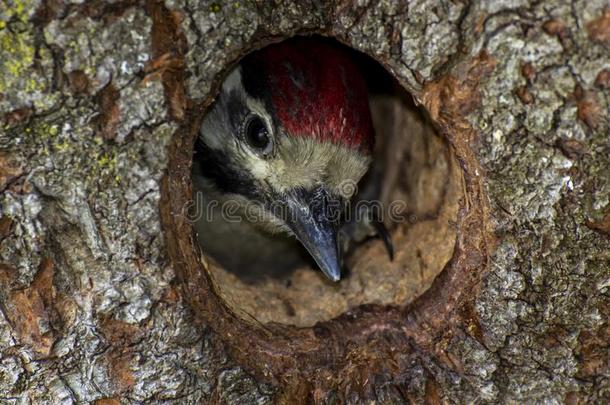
point(385, 236)
point(369, 226)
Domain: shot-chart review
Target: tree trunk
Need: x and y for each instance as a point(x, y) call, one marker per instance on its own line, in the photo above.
point(104, 296)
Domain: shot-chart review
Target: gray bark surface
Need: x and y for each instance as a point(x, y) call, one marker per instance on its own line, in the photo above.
point(90, 310)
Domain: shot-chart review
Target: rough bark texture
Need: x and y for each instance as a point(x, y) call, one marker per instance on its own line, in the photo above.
point(91, 98)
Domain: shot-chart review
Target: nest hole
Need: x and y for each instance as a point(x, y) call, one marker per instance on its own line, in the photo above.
point(416, 180)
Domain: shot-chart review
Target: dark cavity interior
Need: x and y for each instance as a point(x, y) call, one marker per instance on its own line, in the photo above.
point(416, 181)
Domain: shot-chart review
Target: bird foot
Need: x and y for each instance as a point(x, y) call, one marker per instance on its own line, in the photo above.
point(366, 225)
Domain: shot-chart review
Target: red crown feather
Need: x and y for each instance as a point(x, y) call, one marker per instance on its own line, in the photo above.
point(317, 90)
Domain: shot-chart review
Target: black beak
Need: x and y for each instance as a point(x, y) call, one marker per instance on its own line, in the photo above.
point(313, 216)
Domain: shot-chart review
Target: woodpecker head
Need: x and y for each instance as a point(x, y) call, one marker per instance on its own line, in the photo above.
point(288, 137)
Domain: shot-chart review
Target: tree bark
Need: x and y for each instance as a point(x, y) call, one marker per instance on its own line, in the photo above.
point(95, 99)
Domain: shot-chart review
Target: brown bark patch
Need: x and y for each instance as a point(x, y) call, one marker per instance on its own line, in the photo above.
point(590, 112)
point(27, 311)
point(599, 29)
point(10, 169)
point(108, 401)
point(6, 226)
point(557, 28)
point(108, 11)
point(110, 114)
point(79, 82)
point(588, 109)
point(602, 80)
point(38, 313)
point(121, 336)
point(43, 282)
point(472, 322)
point(528, 71)
point(554, 27)
point(554, 337)
point(171, 295)
point(524, 94)
point(571, 148)
point(457, 95)
point(433, 393)
point(120, 366)
point(48, 11)
point(119, 332)
point(593, 352)
point(576, 398)
point(601, 225)
point(169, 47)
point(7, 276)
point(17, 116)
point(28, 315)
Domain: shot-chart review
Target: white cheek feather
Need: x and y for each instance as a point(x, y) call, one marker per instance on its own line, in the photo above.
point(213, 132)
point(259, 168)
point(213, 129)
point(258, 108)
point(233, 81)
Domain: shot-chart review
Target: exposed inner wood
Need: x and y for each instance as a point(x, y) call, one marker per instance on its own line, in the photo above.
point(414, 172)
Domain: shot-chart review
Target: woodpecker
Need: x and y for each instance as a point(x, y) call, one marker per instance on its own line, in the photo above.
point(284, 142)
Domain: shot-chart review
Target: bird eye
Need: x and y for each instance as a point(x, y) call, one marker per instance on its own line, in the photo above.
point(257, 134)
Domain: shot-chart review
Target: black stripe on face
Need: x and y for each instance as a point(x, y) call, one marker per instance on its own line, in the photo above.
point(257, 83)
point(253, 76)
point(235, 110)
point(216, 166)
